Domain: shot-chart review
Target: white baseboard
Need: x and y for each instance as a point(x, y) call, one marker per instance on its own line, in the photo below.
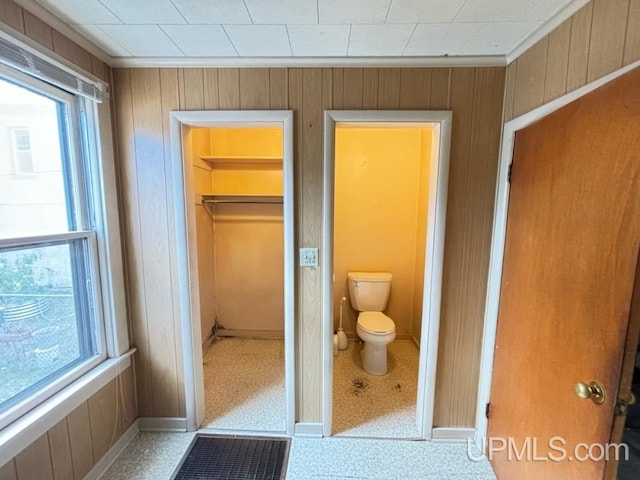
point(108, 458)
point(162, 424)
point(313, 430)
point(222, 332)
point(453, 434)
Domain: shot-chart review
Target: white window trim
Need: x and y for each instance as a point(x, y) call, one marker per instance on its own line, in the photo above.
point(101, 163)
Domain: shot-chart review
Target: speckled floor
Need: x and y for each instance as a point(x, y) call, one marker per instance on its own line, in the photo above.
point(244, 385)
point(376, 406)
point(155, 456)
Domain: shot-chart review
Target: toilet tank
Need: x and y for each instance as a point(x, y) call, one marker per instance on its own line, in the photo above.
point(369, 291)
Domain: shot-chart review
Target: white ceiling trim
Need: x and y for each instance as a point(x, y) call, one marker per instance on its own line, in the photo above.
point(545, 29)
point(64, 28)
point(274, 62)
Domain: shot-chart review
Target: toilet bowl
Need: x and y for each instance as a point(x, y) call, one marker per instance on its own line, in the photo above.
point(369, 292)
point(377, 331)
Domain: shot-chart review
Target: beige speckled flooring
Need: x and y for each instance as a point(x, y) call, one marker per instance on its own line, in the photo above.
point(155, 456)
point(382, 406)
point(244, 385)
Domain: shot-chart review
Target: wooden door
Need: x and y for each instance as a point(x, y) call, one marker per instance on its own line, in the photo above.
point(573, 232)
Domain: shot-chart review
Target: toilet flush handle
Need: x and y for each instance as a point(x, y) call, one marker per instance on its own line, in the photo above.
point(356, 283)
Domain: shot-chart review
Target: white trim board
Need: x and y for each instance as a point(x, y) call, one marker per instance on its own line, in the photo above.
point(100, 468)
point(311, 430)
point(181, 203)
point(499, 233)
point(441, 123)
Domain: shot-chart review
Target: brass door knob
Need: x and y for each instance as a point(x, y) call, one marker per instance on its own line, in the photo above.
point(592, 390)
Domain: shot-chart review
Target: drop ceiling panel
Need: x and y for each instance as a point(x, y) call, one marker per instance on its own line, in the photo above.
point(81, 11)
point(103, 40)
point(142, 40)
point(441, 39)
point(145, 11)
point(275, 12)
point(260, 40)
point(353, 11)
point(201, 40)
point(424, 11)
point(232, 12)
point(319, 40)
point(379, 40)
point(492, 38)
point(506, 11)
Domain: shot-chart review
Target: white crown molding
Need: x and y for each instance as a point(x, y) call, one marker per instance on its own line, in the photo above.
point(202, 62)
point(64, 28)
point(545, 29)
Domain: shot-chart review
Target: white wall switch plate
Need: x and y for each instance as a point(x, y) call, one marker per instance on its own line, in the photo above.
point(308, 257)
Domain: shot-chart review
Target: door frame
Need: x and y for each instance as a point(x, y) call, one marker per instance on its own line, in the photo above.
point(187, 260)
point(441, 122)
point(498, 237)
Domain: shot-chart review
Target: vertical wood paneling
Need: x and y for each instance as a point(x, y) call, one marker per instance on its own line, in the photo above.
point(99, 69)
point(608, 31)
point(80, 439)
point(8, 471)
point(440, 79)
point(579, 47)
point(11, 14)
point(530, 75)
point(278, 94)
point(35, 461)
point(389, 89)
point(555, 84)
point(352, 88)
point(370, 88)
point(60, 448)
point(37, 30)
point(71, 51)
point(129, 410)
point(210, 78)
point(151, 187)
point(103, 420)
point(415, 88)
point(254, 88)
point(229, 88)
point(193, 89)
point(632, 41)
point(510, 90)
point(337, 87)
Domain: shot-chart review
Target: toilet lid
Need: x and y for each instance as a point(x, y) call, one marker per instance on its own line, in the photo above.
point(376, 322)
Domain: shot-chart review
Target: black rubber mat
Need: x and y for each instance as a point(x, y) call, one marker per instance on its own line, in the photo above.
point(234, 458)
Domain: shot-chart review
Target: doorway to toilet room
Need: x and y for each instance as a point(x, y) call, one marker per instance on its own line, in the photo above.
point(236, 169)
point(385, 202)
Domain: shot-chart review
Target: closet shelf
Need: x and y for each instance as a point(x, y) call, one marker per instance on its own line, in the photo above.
point(215, 198)
point(242, 160)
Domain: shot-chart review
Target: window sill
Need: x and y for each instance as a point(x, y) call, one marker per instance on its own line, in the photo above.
point(31, 426)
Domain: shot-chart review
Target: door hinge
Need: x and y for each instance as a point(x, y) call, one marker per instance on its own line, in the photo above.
point(487, 407)
point(509, 172)
point(622, 405)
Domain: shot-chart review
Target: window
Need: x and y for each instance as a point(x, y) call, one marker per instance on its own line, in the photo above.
point(51, 322)
point(22, 150)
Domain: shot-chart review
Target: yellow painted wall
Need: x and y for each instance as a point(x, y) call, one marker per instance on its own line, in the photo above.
point(379, 183)
point(246, 252)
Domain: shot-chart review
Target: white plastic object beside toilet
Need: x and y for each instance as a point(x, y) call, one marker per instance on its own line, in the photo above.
point(369, 292)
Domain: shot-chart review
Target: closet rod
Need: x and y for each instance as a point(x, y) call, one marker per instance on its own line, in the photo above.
point(257, 199)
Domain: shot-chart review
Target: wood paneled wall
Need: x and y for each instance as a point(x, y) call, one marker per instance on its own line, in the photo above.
point(71, 448)
point(144, 98)
point(598, 39)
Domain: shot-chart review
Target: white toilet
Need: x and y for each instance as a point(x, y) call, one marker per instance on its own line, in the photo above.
point(369, 292)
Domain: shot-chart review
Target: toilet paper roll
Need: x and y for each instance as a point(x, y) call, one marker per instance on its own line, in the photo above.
point(335, 345)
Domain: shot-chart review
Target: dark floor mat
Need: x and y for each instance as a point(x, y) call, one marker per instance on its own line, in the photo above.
point(234, 458)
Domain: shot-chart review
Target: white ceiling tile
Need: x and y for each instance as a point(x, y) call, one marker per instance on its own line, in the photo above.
point(273, 12)
point(319, 40)
point(336, 12)
point(232, 12)
point(103, 40)
point(142, 40)
point(439, 39)
point(201, 40)
point(260, 40)
point(80, 11)
point(424, 11)
point(508, 11)
point(498, 37)
point(379, 40)
point(145, 11)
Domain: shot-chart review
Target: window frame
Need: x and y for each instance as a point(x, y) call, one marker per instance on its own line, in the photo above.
point(85, 148)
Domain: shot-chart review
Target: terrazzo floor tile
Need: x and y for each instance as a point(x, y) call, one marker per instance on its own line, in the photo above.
point(382, 406)
point(149, 456)
point(244, 385)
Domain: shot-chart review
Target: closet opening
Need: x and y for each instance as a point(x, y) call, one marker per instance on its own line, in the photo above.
point(234, 177)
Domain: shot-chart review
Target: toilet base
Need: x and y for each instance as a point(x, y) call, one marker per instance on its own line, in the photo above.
point(374, 358)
